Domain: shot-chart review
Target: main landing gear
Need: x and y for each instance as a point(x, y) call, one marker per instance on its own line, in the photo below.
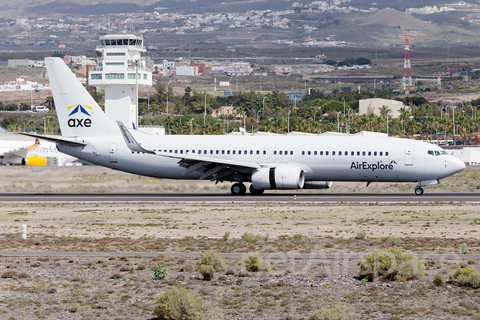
point(418, 191)
point(239, 189)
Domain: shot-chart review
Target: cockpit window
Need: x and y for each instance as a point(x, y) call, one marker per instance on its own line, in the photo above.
point(444, 152)
point(430, 152)
point(437, 153)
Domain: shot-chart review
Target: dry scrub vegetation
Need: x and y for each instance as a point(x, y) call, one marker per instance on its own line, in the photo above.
point(252, 287)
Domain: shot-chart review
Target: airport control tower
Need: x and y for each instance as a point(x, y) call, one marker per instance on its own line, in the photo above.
point(121, 71)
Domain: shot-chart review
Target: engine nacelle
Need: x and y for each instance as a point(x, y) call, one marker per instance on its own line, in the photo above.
point(281, 177)
point(317, 185)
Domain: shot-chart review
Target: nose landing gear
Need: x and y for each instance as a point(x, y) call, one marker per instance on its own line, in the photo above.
point(418, 191)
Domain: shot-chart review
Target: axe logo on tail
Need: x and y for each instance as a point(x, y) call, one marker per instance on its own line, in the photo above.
point(76, 122)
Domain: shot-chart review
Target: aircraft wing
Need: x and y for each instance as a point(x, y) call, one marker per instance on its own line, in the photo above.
point(64, 141)
point(216, 169)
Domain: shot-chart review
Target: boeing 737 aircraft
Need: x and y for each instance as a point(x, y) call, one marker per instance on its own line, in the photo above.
point(267, 162)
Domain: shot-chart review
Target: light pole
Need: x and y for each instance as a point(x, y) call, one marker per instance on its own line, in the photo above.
point(167, 100)
point(264, 102)
point(191, 129)
point(387, 122)
point(205, 111)
point(453, 115)
point(314, 115)
point(180, 115)
point(257, 118)
point(343, 104)
point(288, 121)
point(338, 121)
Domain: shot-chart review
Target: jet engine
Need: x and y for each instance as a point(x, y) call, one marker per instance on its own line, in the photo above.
point(281, 177)
point(317, 185)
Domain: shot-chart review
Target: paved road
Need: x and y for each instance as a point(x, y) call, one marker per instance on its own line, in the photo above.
point(277, 256)
point(227, 197)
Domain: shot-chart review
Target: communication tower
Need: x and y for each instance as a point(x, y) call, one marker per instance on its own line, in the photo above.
point(407, 82)
point(121, 71)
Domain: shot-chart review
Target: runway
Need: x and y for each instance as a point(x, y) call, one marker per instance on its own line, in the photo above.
point(227, 197)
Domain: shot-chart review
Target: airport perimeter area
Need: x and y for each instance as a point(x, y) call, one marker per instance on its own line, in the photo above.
point(74, 286)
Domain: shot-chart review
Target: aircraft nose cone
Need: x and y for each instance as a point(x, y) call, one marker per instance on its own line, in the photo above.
point(456, 165)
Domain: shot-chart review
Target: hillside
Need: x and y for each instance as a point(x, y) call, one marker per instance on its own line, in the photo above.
point(390, 27)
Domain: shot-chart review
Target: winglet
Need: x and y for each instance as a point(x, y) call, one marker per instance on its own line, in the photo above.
point(132, 144)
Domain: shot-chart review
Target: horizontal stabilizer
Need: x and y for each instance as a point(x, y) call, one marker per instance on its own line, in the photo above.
point(63, 141)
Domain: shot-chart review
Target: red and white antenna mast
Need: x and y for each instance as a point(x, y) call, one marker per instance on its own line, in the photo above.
point(407, 72)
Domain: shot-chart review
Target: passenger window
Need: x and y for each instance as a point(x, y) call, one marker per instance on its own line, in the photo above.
point(204, 151)
point(315, 153)
point(193, 151)
point(333, 153)
point(309, 152)
point(211, 151)
point(176, 151)
point(291, 153)
point(369, 153)
point(430, 152)
point(352, 153)
point(303, 153)
point(286, 153)
point(251, 151)
point(244, 151)
point(228, 151)
point(437, 153)
point(216, 152)
point(223, 151)
point(258, 151)
point(233, 152)
point(363, 153)
point(321, 153)
point(346, 153)
point(170, 151)
point(339, 153)
point(386, 154)
point(358, 153)
point(381, 153)
point(375, 153)
point(264, 151)
point(275, 152)
point(280, 152)
point(326, 153)
point(181, 151)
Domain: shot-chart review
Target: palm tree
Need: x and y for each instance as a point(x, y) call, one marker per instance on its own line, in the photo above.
point(404, 115)
point(462, 123)
point(446, 124)
point(395, 125)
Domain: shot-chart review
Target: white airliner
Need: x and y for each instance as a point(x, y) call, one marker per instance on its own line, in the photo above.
point(267, 162)
point(31, 154)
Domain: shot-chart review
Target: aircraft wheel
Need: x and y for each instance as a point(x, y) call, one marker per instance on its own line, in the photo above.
point(256, 192)
point(419, 191)
point(238, 189)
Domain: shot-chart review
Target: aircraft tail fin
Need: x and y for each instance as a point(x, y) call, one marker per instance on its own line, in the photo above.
point(78, 113)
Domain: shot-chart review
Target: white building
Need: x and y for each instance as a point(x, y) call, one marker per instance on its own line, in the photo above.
point(238, 69)
point(22, 85)
point(186, 71)
point(120, 71)
point(469, 155)
point(375, 105)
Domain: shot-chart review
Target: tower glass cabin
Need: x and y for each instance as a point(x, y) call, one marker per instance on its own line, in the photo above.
point(121, 72)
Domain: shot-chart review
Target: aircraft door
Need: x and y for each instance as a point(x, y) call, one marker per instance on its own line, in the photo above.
point(113, 152)
point(409, 155)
